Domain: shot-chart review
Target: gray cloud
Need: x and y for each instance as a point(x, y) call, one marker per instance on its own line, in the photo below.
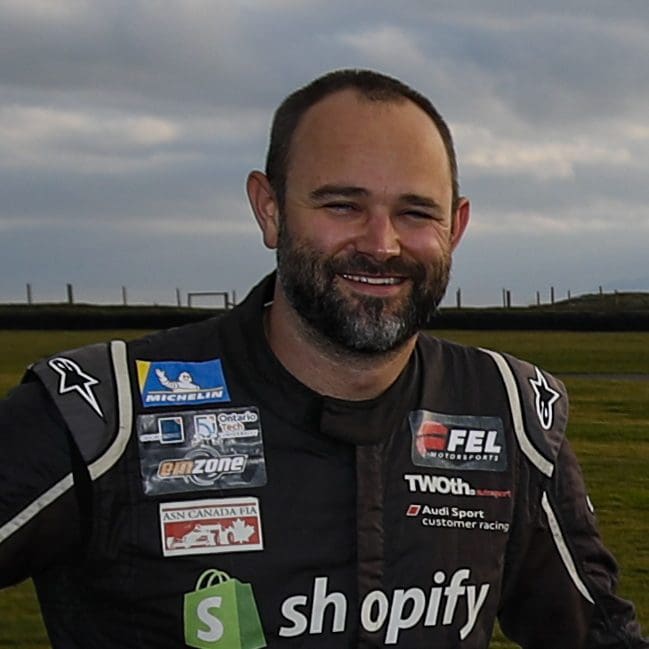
point(126, 133)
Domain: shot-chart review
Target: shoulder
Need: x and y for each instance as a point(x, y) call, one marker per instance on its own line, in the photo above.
point(539, 409)
point(449, 353)
point(537, 400)
point(89, 387)
point(187, 339)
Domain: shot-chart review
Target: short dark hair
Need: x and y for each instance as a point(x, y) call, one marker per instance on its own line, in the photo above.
point(373, 86)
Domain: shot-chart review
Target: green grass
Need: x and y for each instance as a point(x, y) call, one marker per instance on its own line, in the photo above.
point(566, 351)
point(609, 430)
point(20, 348)
point(20, 620)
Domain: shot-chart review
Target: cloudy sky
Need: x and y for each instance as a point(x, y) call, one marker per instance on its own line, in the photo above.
point(127, 128)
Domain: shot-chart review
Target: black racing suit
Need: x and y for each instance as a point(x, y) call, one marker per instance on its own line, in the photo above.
point(186, 490)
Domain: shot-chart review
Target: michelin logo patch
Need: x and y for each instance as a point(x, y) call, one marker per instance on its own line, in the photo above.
point(457, 442)
point(172, 383)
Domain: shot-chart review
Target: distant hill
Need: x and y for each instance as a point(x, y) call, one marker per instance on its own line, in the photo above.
point(95, 316)
point(632, 301)
point(592, 312)
point(628, 311)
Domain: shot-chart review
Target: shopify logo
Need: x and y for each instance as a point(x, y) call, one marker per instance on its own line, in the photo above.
point(451, 600)
point(213, 629)
point(222, 614)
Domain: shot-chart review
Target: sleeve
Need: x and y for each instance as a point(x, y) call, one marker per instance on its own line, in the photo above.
point(560, 581)
point(40, 510)
point(62, 429)
point(562, 594)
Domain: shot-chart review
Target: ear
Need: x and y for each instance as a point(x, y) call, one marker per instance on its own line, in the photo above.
point(460, 221)
point(264, 205)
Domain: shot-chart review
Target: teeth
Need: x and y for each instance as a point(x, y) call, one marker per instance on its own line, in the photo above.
point(376, 281)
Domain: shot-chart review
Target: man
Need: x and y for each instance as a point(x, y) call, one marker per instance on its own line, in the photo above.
point(332, 478)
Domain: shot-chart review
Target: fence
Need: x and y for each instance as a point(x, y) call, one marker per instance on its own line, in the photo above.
point(228, 299)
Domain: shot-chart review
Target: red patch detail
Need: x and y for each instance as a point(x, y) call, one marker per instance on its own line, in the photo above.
point(413, 510)
point(431, 436)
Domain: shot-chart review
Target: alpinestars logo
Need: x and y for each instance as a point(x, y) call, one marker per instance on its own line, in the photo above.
point(74, 379)
point(545, 398)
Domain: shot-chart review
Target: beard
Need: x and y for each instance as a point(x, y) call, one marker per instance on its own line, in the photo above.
point(358, 323)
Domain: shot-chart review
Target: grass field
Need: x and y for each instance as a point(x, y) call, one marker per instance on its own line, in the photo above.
point(609, 430)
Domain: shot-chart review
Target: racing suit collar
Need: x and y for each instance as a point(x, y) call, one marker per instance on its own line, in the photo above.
point(357, 422)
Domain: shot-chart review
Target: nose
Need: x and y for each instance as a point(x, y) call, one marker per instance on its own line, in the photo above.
point(379, 238)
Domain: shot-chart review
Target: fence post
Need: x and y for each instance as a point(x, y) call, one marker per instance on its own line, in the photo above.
point(178, 297)
point(29, 293)
point(70, 294)
point(551, 294)
point(124, 299)
point(458, 298)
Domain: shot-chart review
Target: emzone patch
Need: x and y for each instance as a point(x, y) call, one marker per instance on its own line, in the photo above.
point(194, 450)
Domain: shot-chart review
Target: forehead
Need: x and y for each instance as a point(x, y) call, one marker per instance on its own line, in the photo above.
point(346, 138)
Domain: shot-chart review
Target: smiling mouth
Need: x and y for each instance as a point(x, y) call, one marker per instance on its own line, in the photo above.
point(373, 280)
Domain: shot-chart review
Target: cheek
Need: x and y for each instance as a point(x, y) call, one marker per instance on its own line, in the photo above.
point(426, 246)
point(329, 238)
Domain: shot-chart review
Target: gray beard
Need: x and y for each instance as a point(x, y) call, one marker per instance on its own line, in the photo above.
point(363, 324)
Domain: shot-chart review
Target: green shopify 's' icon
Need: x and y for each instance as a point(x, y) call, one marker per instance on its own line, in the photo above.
point(222, 614)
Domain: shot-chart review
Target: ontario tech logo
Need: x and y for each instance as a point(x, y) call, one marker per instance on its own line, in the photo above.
point(457, 442)
point(167, 383)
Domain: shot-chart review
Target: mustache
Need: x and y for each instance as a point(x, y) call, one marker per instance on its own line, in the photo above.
point(356, 263)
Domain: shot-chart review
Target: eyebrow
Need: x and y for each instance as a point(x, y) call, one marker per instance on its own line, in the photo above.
point(329, 191)
point(421, 201)
point(351, 191)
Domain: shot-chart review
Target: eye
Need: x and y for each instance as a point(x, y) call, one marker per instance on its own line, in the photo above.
point(420, 215)
point(424, 213)
point(341, 207)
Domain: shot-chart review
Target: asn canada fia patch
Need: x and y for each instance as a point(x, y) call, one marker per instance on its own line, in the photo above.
point(210, 526)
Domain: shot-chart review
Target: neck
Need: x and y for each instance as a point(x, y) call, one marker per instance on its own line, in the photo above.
point(325, 367)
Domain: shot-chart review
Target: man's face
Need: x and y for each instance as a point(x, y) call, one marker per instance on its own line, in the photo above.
point(365, 237)
point(360, 321)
